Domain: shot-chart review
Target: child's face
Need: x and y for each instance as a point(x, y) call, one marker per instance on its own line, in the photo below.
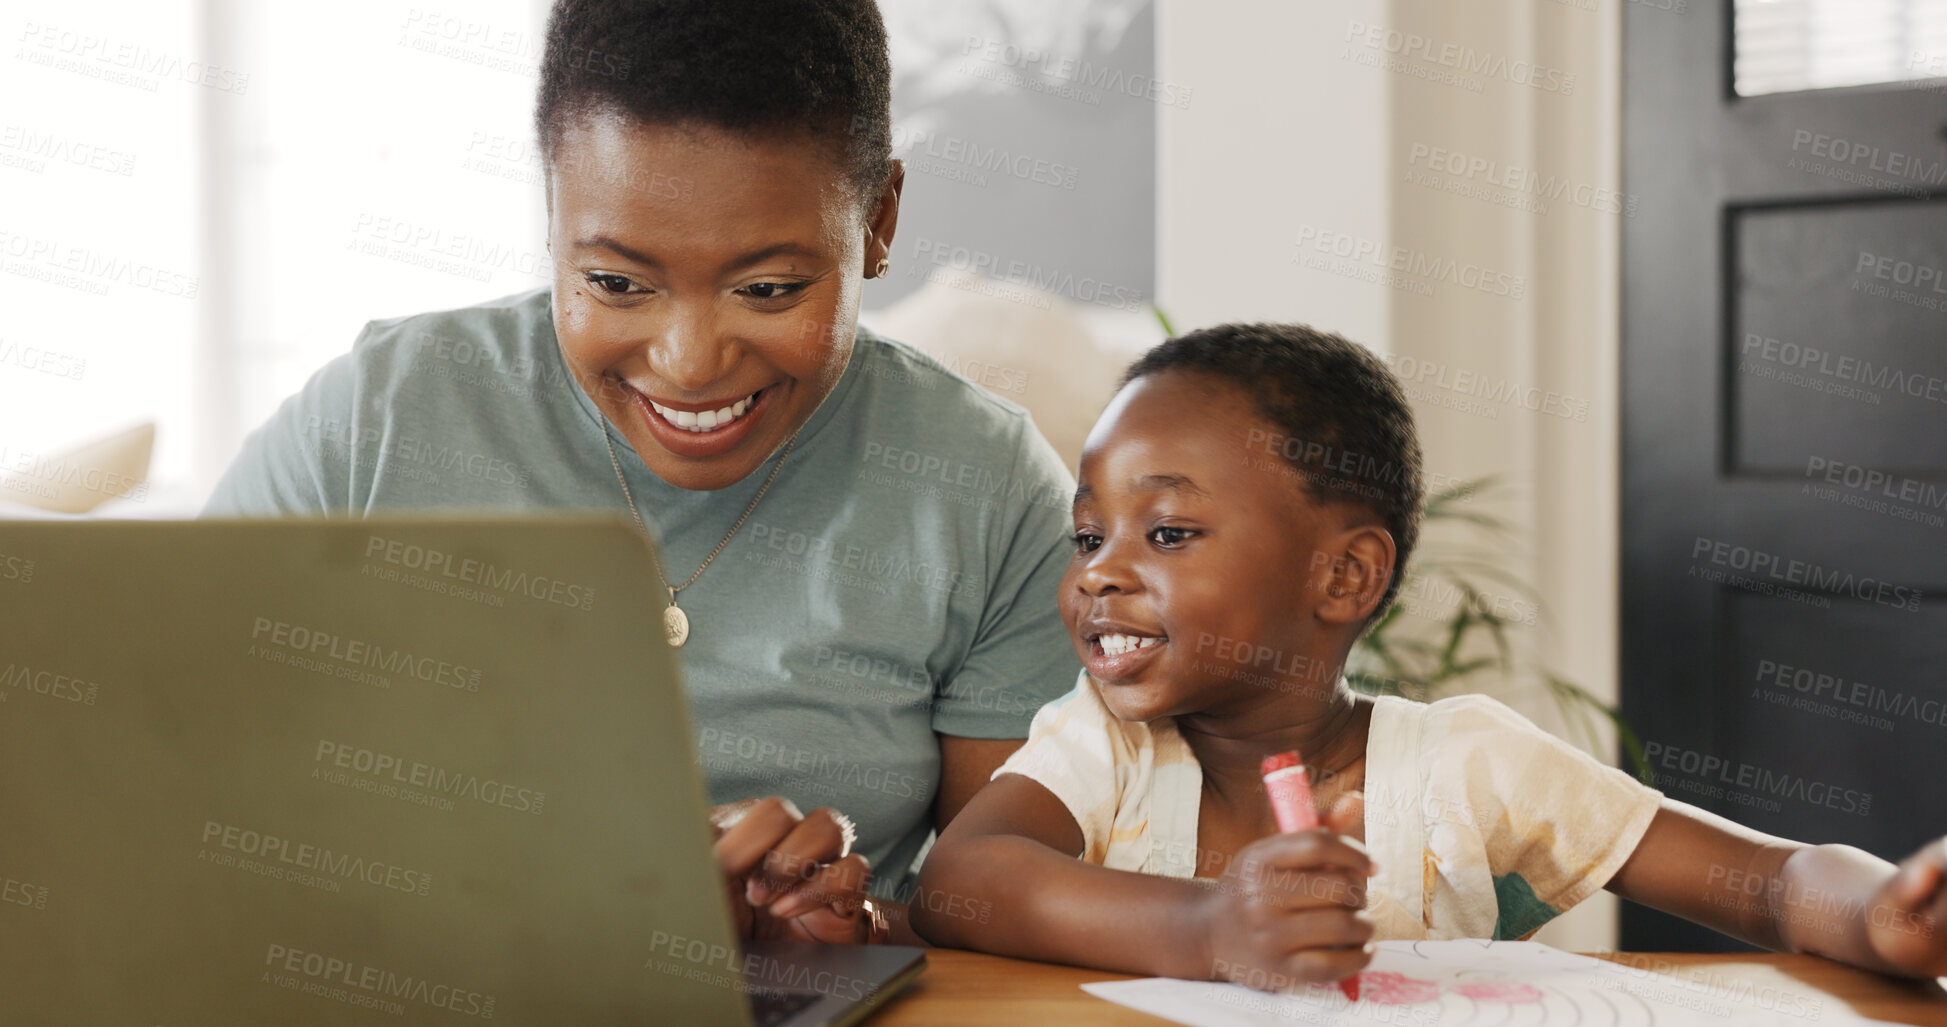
point(1201, 545)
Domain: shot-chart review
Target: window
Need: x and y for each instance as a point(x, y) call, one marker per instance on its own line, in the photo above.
point(1785, 45)
point(205, 200)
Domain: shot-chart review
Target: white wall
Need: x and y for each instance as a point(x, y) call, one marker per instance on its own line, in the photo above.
point(99, 256)
point(1555, 342)
point(203, 201)
point(382, 164)
point(1282, 140)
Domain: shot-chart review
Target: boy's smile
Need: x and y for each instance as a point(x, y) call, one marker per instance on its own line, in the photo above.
point(1189, 546)
point(1115, 650)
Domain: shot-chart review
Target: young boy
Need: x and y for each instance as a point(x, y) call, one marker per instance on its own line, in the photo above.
point(1246, 506)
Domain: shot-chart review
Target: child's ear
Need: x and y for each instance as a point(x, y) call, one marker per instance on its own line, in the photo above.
point(1355, 576)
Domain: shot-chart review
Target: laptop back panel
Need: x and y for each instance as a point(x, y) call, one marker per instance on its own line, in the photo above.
point(348, 772)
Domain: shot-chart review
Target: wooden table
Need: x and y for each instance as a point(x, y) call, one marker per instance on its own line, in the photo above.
point(969, 988)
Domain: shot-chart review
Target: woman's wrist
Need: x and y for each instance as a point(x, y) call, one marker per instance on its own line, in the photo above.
point(899, 924)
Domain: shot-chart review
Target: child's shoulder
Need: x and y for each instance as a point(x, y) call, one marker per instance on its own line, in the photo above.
point(1455, 713)
point(1477, 740)
point(1466, 735)
point(1082, 718)
point(1079, 710)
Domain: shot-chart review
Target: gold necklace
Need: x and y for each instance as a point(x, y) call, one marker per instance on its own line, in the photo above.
point(676, 623)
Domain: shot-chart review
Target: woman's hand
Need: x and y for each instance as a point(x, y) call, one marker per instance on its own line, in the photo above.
point(1290, 910)
point(1904, 920)
point(790, 876)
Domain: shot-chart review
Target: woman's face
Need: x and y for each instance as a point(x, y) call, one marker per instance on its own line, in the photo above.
point(707, 285)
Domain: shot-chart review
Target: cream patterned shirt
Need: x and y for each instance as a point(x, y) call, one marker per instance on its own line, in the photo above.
point(1483, 825)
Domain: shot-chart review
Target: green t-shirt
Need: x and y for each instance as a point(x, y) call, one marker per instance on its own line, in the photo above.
point(898, 580)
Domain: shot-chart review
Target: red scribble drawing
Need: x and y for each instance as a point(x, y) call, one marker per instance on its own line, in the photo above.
point(1388, 988)
point(1497, 991)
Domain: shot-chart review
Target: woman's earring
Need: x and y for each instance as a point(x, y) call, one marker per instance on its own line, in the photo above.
point(884, 268)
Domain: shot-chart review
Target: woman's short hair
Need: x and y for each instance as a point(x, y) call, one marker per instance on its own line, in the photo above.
point(817, 67)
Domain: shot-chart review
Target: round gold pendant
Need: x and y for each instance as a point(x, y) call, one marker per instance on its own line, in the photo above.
point(676, 626)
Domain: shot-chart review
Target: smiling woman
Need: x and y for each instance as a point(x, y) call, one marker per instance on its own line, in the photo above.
point(875, 542)
point(758, 255)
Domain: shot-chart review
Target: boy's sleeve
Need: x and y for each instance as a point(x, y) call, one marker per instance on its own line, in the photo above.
point(1021, 656)
point(1557, 823)
point(1072, 752)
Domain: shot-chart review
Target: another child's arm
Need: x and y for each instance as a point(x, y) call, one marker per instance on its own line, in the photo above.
point(1005, 878)
point(1831, 900)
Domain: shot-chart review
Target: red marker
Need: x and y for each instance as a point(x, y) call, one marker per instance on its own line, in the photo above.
point(1291, 804)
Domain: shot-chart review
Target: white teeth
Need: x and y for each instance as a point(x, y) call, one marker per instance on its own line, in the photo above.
point(707, 420)
point(1116, 645)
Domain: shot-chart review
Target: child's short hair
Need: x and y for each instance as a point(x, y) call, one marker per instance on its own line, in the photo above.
point(743, 65)
point(1339, 416)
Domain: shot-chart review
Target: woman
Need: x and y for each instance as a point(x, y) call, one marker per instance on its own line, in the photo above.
point(863, 548)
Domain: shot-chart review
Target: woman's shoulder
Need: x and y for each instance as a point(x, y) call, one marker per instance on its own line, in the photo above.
point(449, 408)
point(495, 335)
point(891, 363)
point(446, 370)
point(921, 418)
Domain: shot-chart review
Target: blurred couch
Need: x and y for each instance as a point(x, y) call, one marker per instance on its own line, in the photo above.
point(1059, 359)
point(108, 476)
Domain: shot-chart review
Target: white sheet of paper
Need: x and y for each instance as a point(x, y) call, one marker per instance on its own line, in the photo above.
point(1502, 983)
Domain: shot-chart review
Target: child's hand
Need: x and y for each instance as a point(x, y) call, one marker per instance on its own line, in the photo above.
point(1348, 816)
point(1289, 910)
point(789, 876)
point(1908, 910)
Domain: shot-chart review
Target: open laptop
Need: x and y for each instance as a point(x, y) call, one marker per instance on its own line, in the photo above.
point(365, 772)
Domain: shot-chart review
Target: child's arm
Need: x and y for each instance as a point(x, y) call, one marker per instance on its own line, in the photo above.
point(1831, 900)
point(1004, 878)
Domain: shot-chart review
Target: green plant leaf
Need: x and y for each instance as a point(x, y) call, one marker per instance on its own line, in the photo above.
point(1437, 505)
